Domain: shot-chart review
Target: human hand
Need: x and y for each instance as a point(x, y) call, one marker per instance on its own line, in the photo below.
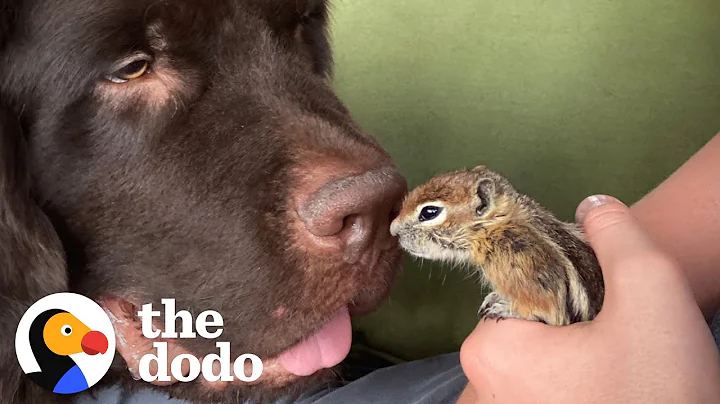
point(649, 343)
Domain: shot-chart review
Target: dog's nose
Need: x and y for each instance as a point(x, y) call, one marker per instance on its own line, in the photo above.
point(356, 211)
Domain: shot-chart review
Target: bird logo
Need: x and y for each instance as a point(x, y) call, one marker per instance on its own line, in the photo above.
point(65, 343)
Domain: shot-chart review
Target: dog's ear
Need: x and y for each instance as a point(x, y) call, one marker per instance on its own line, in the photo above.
point(305, 22)
point(8, 14)
point(32, 263)
point(31, 255)
point(315, 36)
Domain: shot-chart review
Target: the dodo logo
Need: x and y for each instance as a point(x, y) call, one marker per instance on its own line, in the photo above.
point(65, 343)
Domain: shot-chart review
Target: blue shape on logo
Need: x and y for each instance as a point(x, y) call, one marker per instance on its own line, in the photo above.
point(73, 381)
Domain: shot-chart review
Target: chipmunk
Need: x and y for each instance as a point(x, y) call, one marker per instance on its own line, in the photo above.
point(538, 267)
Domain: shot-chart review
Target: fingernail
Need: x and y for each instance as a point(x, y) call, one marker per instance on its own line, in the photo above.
point(590, 203)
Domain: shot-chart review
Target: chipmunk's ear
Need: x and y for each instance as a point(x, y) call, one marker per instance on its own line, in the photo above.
point(479, 169)
point(485, 190)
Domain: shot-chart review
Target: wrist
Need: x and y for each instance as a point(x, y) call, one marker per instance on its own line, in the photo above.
point(682, 216)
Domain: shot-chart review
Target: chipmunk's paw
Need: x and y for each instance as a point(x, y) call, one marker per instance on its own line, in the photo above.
point(494, 307)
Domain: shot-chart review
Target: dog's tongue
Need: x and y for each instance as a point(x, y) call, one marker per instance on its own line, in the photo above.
point(324, 349)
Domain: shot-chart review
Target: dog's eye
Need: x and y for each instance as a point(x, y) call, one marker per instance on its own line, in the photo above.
point(130, 71)
point(429, 213)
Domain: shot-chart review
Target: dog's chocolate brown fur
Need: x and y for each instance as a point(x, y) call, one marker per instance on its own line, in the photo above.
point(181, 183)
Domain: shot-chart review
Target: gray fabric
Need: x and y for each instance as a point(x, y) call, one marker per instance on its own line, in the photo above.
point(115, 395)
point(434, 380)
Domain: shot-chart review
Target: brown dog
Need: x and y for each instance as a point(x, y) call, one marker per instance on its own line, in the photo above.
point(194, 150)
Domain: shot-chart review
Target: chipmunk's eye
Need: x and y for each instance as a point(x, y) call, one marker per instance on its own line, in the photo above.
point(429, 213)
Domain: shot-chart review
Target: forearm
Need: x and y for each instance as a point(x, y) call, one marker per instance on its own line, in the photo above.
point(682, 215)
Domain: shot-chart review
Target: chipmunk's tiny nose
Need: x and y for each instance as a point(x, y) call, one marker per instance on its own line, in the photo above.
point(395, 228)
point(355, 211)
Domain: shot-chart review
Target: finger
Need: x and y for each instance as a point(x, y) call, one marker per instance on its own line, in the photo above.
point(497, 353)
point(634, 269)
point(499, 347)
point(613, 232)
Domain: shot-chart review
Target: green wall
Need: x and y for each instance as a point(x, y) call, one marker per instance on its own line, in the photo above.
point(566, 98)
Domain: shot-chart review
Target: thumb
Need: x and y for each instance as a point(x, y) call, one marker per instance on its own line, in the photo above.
point(630, 261)
point(612, 230)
